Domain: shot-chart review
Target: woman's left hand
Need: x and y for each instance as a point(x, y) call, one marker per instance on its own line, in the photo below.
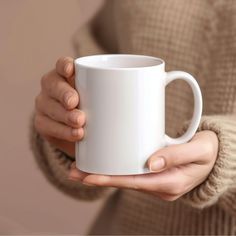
point(175, 170)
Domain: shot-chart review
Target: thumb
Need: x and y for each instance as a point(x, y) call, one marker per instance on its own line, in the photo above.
point(174, 155)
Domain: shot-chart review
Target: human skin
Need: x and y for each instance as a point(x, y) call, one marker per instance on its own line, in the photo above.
point(175, 170)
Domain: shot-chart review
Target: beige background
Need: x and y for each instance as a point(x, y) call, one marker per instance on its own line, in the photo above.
point(33, 34)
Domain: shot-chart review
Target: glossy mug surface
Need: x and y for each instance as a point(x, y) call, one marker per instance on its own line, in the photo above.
point(123, 97)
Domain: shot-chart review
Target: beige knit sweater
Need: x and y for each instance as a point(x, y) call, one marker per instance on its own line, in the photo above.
point(197, 36)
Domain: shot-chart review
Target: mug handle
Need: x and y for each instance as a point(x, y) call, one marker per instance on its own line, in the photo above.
point(173, 75)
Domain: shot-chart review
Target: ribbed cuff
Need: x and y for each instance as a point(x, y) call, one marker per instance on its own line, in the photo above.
point(56, 165)
point(223, 175)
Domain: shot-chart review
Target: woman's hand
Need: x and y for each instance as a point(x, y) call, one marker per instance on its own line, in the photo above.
point(175, 169)
point(57, 117)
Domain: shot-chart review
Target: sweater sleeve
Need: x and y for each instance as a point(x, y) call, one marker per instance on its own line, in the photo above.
point(219, 98)
point(220, 186)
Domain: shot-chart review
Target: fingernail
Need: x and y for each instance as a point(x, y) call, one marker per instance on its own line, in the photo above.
point(157, 164)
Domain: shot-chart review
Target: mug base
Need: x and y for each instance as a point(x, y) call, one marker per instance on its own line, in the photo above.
point(116, 172)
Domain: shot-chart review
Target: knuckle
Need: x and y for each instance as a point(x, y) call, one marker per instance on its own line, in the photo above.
point(64, 93)
point(82, 118)
point(78, 137)
point(64, 96)
point(69, 97)
point(61, 63)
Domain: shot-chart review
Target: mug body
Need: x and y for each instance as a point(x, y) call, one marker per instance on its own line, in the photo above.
point(123, 97)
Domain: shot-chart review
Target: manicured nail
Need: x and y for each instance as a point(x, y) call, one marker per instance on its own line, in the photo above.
point(157, 164)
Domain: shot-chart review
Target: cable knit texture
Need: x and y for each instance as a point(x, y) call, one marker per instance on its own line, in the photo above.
point(191, 35)
point(223, 177)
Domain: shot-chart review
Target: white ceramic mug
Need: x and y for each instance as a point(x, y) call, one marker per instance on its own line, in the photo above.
point(123, 97)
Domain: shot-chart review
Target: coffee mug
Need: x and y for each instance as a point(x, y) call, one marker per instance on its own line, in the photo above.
point(123, 97)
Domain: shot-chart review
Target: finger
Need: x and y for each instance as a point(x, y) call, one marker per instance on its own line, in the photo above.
point(110, 181)
point(76, 174)
point(49, 127)
point(74, 118)
point(159, 182)
point(65, 67)
point(168, 157)
point(56, 87)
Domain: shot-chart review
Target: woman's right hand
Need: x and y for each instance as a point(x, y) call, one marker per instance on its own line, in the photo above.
point(57, 118)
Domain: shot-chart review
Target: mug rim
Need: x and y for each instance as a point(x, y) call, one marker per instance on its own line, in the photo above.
point(81, 62)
